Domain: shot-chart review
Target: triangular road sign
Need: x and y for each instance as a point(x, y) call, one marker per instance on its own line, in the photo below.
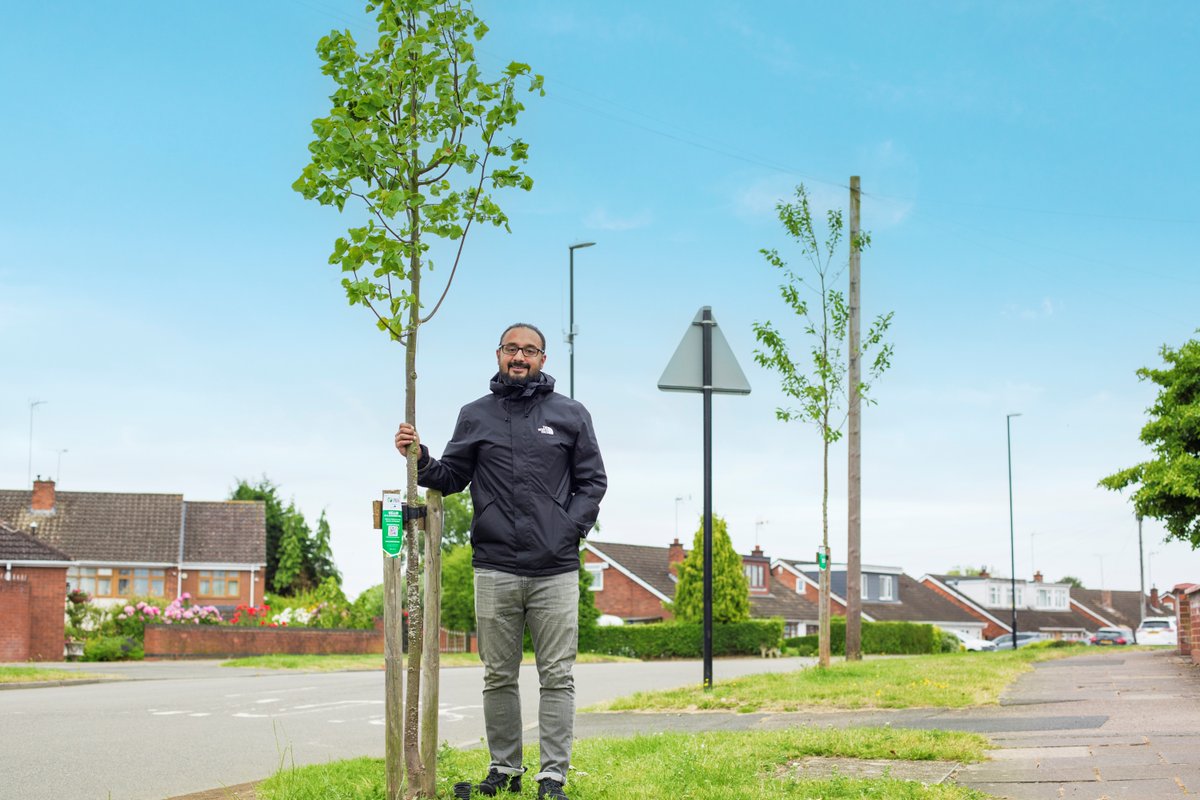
point(685, 370)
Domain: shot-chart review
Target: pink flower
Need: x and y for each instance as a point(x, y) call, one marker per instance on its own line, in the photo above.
point(128, 609)
point(185, 596)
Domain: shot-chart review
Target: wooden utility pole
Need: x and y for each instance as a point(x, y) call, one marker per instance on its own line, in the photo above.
point(854, 444)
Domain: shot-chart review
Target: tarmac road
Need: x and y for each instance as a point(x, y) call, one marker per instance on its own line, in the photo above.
point(172, 728)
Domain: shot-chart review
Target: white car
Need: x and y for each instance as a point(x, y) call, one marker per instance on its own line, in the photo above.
point(1158, 630)
point(977, 645)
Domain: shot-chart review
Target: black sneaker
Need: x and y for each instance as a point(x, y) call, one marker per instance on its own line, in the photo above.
point(552, 789)
point(490, 786)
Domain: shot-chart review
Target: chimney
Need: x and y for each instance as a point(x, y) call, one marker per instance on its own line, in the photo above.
point(1106, 598)
point(1154, 596)
point(757, 552)
point(1037, 576)
point(675, 555)
point(983, 573)
point(43, 495)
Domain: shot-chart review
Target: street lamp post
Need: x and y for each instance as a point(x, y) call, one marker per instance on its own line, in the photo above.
point(1012, 543)
point(571, 330)
point(1141, 579)
point(32, 405)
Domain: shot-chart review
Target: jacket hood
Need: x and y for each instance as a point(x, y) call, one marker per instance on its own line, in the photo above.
point(541, 384)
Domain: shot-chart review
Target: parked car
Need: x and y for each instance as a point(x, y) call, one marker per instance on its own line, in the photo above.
point(973, 644)
point(1005, 642)
point(1158, 630)
point(1109, 636)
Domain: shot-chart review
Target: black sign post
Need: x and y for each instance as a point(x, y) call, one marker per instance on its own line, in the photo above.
point(704, 363)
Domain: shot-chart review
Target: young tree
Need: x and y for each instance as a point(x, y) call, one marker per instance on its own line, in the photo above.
point(818, 382)
point(731, 588)
point(320, 553)
point(290, 573)
point(1168, 485)
point(417, 136)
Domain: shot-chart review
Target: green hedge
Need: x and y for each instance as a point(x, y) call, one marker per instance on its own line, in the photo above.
point(891, 638)
point(686, 640)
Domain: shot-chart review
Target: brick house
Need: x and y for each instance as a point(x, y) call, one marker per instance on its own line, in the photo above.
point(1056, 610)
point(124, 545)
point(33, 586)
point(887, 593)
point(632, 581)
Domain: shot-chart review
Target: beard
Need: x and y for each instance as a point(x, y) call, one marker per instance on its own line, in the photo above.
point(516, 380)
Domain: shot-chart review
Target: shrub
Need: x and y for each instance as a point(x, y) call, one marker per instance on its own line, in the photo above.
point(947, 642)
point(129, 621)
point(112, 648)
point(366, 607)
point(685, 639)
point(182, 611)
point(1047, 644)
point(880, 638)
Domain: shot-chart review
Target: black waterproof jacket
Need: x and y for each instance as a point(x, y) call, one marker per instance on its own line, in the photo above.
point(536, 476)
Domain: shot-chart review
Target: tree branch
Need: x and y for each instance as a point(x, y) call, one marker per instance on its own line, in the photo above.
point(462, 240)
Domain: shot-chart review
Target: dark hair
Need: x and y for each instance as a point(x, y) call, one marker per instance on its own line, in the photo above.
point(533, 328)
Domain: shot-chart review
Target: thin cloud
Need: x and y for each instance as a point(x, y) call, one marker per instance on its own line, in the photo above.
point(600, 219)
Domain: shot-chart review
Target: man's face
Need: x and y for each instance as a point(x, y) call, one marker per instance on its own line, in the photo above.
point(519, 368)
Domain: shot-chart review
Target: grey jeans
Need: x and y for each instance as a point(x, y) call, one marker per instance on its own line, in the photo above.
point(504, 604)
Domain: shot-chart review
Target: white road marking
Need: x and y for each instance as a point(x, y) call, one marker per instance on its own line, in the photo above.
point(269, 700)
point(201, 714)
point(168, 713)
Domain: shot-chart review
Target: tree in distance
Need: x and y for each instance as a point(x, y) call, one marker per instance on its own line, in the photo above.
point(731, 589)
point(1072, 581)
point(818, 380)
point(296, 559)
point(1168, 485)
point(416, 139)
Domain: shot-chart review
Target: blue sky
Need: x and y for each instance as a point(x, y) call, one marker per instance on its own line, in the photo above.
point(1028, 171)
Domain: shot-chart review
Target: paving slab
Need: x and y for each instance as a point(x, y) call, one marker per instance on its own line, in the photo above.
point(1146, 747)
point(927, 772)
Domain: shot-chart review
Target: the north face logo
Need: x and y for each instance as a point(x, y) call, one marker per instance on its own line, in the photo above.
point(546, 429)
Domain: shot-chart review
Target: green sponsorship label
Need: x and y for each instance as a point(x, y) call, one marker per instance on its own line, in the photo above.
point(393, 523)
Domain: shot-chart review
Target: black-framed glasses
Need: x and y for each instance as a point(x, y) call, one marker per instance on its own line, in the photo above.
point(529, 350)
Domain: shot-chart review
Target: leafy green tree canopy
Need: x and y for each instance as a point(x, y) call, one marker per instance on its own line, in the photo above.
point(731, 588)
point(1072, 581)
point(456, 521)
point(1168, 485)
point(297, 559)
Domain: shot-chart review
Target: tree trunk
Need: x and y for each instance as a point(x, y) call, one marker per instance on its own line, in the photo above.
point(823, 635)
point(431, 658)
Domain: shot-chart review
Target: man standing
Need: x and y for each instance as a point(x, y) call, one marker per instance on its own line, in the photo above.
point(536, 477)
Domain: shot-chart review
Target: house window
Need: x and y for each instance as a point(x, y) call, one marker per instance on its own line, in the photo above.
point(755, 574)
point(994, 595)
point(1043, 598)
point(864, 588)
point(96, 581)
point(887, 587)
point(791, 629)
point(141, 582)
point(597, 573)
point(219, 583)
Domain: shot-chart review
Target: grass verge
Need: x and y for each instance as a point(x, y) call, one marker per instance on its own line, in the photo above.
point(340, 663)
point(36, 674)
point(709, 766)
point(951, 680)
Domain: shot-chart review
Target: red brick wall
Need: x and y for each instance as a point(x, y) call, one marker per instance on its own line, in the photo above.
point(1183, 620)
point(14, 611)
point(1192, 601)
point(221, 641)
point(624, 598)
point(990, 629)
point(34, 601)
